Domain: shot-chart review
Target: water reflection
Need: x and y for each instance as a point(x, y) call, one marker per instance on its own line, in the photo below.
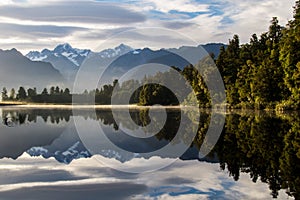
point(264, 145)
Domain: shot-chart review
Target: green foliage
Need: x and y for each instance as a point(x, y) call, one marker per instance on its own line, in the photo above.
point(152, 94)
point(229, 64)
point(12, 94)
point(290, 56)
point(154, 91)
point(266, 71)
point(4, 94)
point(21, 94)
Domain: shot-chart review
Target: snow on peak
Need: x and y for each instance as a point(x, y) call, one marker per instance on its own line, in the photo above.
point(63, 47)
point(117, 51)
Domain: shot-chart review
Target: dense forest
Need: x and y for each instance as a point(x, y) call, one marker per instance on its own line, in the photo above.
point(261, 74)
point(265, 73)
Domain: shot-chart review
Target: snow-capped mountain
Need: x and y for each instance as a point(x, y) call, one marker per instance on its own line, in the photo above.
point(117, 51)
point(67, 59)
point(64, 58)
point(74, 55)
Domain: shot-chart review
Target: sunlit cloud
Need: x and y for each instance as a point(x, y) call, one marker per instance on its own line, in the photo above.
point(178, 5)
point(86, 24)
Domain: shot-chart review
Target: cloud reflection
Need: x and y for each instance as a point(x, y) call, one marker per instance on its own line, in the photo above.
point(87, 177)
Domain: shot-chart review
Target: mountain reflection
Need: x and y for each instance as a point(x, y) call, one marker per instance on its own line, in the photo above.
point(264, 145)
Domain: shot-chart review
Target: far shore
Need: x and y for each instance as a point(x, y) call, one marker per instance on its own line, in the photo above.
point(80, 106)
point(24, 105)
point(220, 109)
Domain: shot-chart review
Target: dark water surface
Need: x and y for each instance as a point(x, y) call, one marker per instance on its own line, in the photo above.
point(44, 156)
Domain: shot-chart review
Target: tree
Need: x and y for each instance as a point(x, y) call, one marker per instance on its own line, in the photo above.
point(31, 92)
point(229, 64)
point(12, 94)
point(57, 90)
point(4, 94)
point(290, 56)
point(45, 91)
point(21, 94)
point(66, 91)
point(52, 90)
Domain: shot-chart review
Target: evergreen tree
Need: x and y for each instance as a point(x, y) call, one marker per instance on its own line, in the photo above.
point(57, 91)
point(31, 93)
point(229, 63)
point(52, 90)
point(66, 91)
point(290, 56)
point(12, 94)
point(45, 91)
point(21, 94)
point(4, 94)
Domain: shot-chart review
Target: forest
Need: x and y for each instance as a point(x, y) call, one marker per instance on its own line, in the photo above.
point(261, 74)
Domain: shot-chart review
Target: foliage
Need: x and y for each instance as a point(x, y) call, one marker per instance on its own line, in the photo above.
point(266, 71)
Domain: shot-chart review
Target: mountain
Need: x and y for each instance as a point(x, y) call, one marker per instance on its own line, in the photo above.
point(63, 58)
point(67, 59)
point(196, 53)
point(180, 58)
point(116, 61)
point(17, 70)
point(213, 48)
point(117, 51)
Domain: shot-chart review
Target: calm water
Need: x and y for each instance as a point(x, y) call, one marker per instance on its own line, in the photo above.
point(55, 154)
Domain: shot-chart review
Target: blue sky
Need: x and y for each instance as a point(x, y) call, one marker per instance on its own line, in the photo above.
point(34, 25)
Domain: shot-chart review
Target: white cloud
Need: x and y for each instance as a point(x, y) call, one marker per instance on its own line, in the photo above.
point(104, 19)
point(250, 16)
point(178, 5)
point(80, 11)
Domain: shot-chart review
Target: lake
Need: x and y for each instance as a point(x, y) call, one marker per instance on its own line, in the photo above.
point(55, 153)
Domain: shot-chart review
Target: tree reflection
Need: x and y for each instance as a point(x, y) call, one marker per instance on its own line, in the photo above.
point(21, 117)
point(265, 146)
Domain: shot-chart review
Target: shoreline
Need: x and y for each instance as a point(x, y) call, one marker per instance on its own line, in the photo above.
point(105, 107)
point(82, 106)
point(219, 109)
point(11, 103)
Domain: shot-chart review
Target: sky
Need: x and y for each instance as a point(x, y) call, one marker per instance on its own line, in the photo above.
point(99, 24)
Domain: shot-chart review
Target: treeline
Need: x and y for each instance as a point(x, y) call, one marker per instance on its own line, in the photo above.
point(54, 95)
point(57, 95)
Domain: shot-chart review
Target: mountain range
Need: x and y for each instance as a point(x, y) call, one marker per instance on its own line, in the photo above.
point(60, 65)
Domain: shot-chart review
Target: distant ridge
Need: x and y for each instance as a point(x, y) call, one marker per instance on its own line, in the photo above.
point(68, 60)
point(17, 70)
